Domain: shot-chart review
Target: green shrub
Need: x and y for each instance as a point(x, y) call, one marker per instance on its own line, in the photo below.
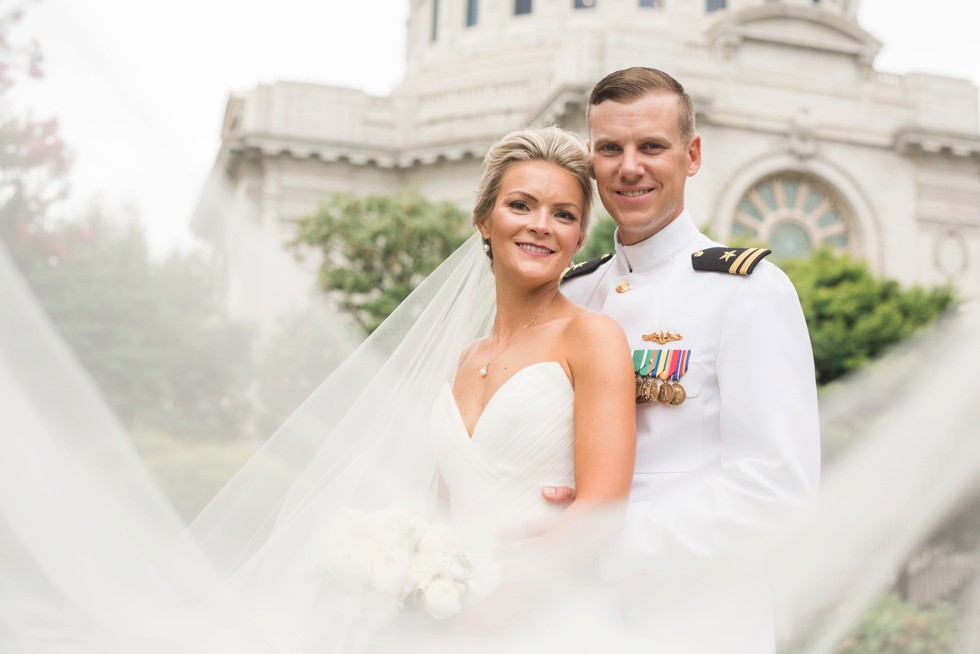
point(854, 316)
point(377, 249)
point(893, 626)
point(601, 238)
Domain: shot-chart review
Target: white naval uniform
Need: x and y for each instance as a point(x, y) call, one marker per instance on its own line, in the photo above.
point(743, 446)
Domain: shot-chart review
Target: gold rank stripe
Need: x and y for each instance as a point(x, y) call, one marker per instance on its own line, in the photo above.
point(745, 260)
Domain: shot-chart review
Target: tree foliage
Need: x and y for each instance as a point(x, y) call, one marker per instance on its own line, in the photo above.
point(377, 249)
point(601, 237)
point(898, 627)
point(150, 333)
point(854, 316)
point(34, 160)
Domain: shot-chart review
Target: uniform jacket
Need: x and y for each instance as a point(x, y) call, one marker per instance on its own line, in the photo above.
point(744, 445)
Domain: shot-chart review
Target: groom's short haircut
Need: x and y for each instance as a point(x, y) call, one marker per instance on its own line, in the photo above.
point(631, 84)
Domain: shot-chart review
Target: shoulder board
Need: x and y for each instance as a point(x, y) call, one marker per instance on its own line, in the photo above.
point(734, 261)
point(585, 268)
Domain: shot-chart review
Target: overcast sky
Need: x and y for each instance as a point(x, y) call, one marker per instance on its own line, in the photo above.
point(140, 87)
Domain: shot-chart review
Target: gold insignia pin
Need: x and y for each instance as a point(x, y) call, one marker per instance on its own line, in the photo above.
point(622, 287)
point(699, 253)
point(663, 337)
point(728, 255)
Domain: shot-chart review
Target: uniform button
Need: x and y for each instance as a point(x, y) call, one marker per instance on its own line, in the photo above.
point(622, 287)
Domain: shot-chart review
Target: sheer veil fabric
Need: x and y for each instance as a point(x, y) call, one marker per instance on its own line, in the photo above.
point(94, 559)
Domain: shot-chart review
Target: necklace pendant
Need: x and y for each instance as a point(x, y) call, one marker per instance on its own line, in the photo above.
point(483, 371)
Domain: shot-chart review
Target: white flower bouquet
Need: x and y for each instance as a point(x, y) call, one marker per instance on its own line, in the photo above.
point(397, 553)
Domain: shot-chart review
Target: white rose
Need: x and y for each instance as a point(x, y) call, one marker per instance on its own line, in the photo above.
point(459, 566)
point(403, 521)
point(434, 543)
point(390, 570)
point(442, 599)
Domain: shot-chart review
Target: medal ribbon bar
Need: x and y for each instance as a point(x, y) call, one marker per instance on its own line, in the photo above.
point(655, 363)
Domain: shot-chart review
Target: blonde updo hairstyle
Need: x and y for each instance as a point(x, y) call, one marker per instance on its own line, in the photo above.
point(551, 144)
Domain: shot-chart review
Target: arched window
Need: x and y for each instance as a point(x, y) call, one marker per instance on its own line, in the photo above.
point(715, 5)
point(584, 4)
point(472, 12)
point(522, 7)
point(794, 214)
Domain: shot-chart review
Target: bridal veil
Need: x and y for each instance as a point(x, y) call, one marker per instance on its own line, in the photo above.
point(95, 559)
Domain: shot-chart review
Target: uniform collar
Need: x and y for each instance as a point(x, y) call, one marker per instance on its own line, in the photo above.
point(660, 247)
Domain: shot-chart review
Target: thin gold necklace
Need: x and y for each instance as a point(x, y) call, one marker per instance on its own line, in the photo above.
point(485, 370)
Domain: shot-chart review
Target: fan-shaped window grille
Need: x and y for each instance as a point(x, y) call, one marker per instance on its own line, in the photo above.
point(794, 214)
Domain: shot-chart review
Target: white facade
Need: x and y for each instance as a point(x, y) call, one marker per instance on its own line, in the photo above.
point(804, 142)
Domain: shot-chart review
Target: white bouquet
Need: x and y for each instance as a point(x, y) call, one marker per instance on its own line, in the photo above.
point(397, 553)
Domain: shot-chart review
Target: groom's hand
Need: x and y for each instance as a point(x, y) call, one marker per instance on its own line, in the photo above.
point(558, 494)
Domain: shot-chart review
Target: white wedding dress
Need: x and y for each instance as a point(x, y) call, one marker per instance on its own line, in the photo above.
point(522, 442)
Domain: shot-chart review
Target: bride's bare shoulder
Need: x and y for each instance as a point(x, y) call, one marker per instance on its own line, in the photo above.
point(596, 348)
point(588, 325)
point(581, 317)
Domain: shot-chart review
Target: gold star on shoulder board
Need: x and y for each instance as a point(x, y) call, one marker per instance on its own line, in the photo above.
point(722, 259)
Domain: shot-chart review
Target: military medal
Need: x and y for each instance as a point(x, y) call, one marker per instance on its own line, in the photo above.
point(678, 369)
point(666, 395)
point(646, 390)
point(679, 394)
point(644, 363)
point(666, 365)
point(658, 370)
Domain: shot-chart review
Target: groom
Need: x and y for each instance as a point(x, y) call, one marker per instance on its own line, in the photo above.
point(727, 427)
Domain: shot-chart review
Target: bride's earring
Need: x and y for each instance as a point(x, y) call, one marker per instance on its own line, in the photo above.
point(486, 247)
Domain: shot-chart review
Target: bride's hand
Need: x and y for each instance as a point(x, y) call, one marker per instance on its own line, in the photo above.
point(558, 494)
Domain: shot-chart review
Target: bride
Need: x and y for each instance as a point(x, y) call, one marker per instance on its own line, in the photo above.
point(334, 537)
point(548, 394)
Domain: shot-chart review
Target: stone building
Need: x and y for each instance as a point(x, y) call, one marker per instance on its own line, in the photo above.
point(805, 141)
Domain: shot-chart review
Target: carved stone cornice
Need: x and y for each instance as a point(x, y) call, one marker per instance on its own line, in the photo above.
point(914, 140)
point(750, 24)
point(256, 147)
